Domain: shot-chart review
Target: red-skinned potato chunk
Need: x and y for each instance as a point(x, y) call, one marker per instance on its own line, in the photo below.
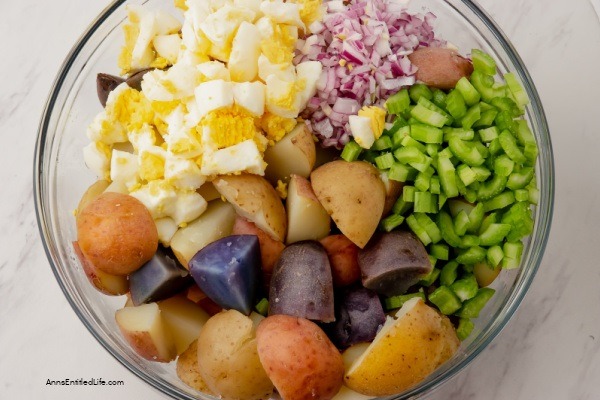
point(343, 258)
point(439, 67)
point(116, 233)
point(270, 249)
point(299, 358)
point(112, 285)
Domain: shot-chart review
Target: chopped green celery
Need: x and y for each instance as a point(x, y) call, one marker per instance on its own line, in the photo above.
point(412, 120)
point(465, 288)
point(432, 261)
point(439, 98)
point(422, 166)
point(427, 116)
point(398, 123)
point(442, 200)
point(494, 234)
point(485, 86)
point(466, 174)
point(433, 107)
point(262, 307)
point(520, 179)
point(472, 307)
point(466, 152)
point(351, 151)
point(408, 193)
point(534, 195)
point(425, 202)
point(383, 143)
point(469, 241)
point(455, 104)
point(516, 89)
point(470, 95)
point(531, 153)
point(511, 148)
point(446, 173)
point(488, 134)
point(506, 104)
point(431, 277)
point(495, 147)
point(369, 156)
point(503, 165)
point(460, 133)
point(408, 141)
point(391, 222)
point(445, 300)
point(400, 206)
point(384, 161)
point(522, 195)
point(440, 251)
point(419, 90)
point(489, 219)
point(430, 227)
point(461, 221)
point(486, 119)
point(399, 135)
point(432, 149)
point(422, 182)
point(505, 122)
point(449, 273)
point(524, 134)
point(427, 134)
point(475, 218)
point(473, 114)
point(481, 148)
point(409, 155)
point(434, 185)
point(401, 173)
point(418, 230)
point(481, 173)
point(469, 193)
point(483, 62)
point(491, 188)
point(398, 103)
point(464, 328)
point(485, 106)
point(467, 268)
point(447, 154)
point(494, 255)
point(512, 254)
point(446, 226)
point(510, 263)
point(472, 255)
point(391, 303)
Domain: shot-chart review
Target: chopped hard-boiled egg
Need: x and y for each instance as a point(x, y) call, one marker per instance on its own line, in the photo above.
point(245, 51)
point(183, 173)
point(166, 228)
point(309, 73)
point(188, 206)
point(284, 98)
point(284, 71)
point(152, 163)
point(250, 96)
point(213, 95)
point(97, 158)
point(158, 197)
point(362, 131)
point(243, 156)
point(283, 13)
point(212, 70)
point(124, 168)
point(377, 117)
point(167, 47)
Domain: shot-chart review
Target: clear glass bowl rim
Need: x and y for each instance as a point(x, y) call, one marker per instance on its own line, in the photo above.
point(492, 331)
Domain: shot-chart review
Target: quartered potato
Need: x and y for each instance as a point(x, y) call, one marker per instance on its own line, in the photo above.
point(294, 154)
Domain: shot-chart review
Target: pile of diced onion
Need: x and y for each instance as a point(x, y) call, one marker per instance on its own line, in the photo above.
point(363, 47)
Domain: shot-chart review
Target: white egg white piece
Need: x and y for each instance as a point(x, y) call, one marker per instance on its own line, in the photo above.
point(243, 156)
point(265, 27)
point(361, 131)
point(180, 138)
point(96, 156)
point(142, 55)
point(310, 72)
point(158, 197)
point(212, 70)
point(175, 83)
point(245, 50)
point(183, 173)
point(253, 5)
point(283, 13)
point(142, 138)
point(187, 207)
point(220, 26)
point(146, 158)
point(124, 168)
point(282, 97)
point(213, 95)
point(284, 71)
point(166, 23)
point(167, 46)
point(166, 228)
point(250, 96)
point(104, 129)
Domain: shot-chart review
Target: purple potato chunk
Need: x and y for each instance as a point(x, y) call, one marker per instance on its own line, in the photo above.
point(228, 271)
point(135, 80)
point(359, 316)
point(158, 279)
point(105, 84)
point(302, 285)
point(393, 262)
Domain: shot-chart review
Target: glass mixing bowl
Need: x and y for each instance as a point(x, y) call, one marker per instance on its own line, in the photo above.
point(60, 178)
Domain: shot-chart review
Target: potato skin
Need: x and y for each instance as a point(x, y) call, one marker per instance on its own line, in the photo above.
point(439, 67)
point(187, 369)
point(228, 358)
point(343, 258)
point(117, 233)
point(299, 358)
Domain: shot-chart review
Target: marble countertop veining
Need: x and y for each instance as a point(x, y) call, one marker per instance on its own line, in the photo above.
point(549, 350)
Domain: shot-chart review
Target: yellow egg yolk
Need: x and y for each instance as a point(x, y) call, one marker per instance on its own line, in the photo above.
point(310, 11)
point(279, 48)
point(230, 126)
point(377, 117)
point(132, 109)
point(276, 127)
point(282, 189)
point(152, 166)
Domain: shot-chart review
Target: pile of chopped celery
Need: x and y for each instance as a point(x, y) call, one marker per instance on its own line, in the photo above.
point(467, 161)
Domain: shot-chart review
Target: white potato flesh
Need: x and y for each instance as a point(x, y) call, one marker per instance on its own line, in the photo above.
point(307, 219)
point(294, 154)
point(184, 319)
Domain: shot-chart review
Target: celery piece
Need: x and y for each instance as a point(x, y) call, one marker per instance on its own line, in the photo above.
point(503, 165)
point(422, 183)
point(431, 277)
point(434, 185)
point(446, 173)
point(460, 133)
point(418, 229)
point(427, 116)
point(473, 114)
point(422, 166)
point(401, 173)
point(472, 255)
point(432, 149)
point(369, 156)
point(383, 143)
point(513, 250)
point(531, 153)
point(483, 62)
point(391, 222)
point(400, 206)
point(445, 300)
point(516, 89)
point(464, 328)
point(488, 134)
point(430, 227)
point(485, 86)
point(481, 173)
point(524, 134)
point(408, 141)
point(391, 303)
point(384, 161)
point(351, 151)
point(511, 148)
point(495, 147)
point(466, 152)
point(398, 123)
point(468, 92)
point(465, 288)
point(442, 200)
point(466, 174)
point(432, 261)
point(449, 273)
point(439, 98)
point(507, 104)
point(472, 307)
point(427, 134)
point(409, 155)
point(475, 218)
point(461, 222)
point(494, 234)
point(446, 226)
point(433, 107)
point(399, 135)
point(468, 241)
point(510, 263)
point(522, 195)
point(408, 193)
point(505, 122)
point(486, 119)
point(491, 188)
point(455, 104)
point(425, 202)
point(494, 255)
point(440, 251)
point(398, 103)
point(499, 202)
point(520, 179)
point(481, 148)
point(262, 307)
point(534, 195)
point(419, 90)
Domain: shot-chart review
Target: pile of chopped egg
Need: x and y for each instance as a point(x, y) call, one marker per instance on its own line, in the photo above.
point(223, 89)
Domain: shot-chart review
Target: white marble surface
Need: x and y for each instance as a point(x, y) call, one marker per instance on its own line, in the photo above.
point(550, 349)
